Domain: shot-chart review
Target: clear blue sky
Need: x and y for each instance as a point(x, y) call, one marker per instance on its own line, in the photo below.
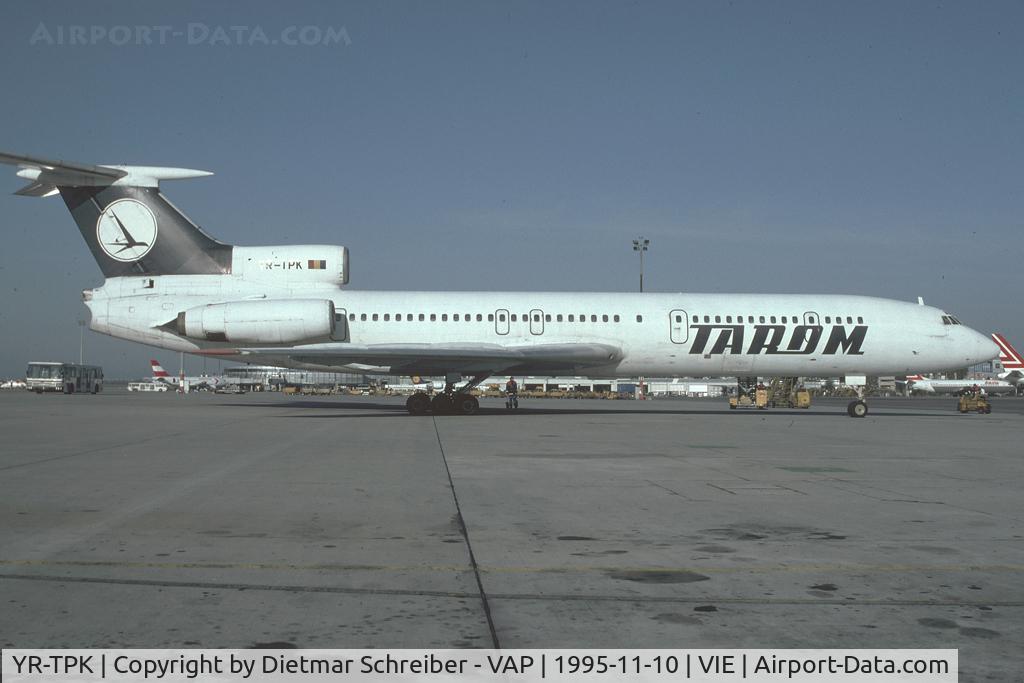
point(872, 148)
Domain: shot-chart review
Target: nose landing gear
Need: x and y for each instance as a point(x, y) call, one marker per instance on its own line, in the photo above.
point(857, 408)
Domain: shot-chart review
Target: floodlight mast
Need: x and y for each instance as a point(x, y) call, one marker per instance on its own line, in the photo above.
point(640, 244)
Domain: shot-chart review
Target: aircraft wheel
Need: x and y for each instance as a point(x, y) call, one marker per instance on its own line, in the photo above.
point(466, 404)
point(857, 409)
point(417, 404)
point(441, 404)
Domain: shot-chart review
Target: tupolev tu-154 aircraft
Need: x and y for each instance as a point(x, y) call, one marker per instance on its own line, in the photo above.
point(170, 285)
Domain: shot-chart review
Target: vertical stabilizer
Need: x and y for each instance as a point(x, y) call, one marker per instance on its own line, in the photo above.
point(129, 226)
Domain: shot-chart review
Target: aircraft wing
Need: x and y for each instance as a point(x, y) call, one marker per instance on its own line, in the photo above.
point(427, 359)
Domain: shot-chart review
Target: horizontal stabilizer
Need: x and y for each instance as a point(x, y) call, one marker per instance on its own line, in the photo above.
point(47, 175)
point(37, 189)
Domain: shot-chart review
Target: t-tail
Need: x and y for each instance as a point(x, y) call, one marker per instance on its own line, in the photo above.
point(129, 226)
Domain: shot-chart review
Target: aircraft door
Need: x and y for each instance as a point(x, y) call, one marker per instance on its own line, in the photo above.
point(536, 321)
point(340, 330)
point(501, 321)
point(678, 326)
point(811, 319)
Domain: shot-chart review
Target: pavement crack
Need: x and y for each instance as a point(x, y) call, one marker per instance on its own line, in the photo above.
point(469, 545)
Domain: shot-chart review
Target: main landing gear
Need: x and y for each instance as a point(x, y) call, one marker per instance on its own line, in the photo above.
point(451, 401)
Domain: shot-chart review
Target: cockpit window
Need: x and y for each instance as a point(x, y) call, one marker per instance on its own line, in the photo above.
point(950, 320)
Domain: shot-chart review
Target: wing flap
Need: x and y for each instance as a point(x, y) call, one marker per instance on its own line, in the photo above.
point(440, 358)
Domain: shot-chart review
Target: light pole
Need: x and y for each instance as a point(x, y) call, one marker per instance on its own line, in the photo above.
point(640, 244)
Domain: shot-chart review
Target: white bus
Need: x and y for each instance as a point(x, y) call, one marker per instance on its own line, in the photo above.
point(66, 377)
point(147, 386)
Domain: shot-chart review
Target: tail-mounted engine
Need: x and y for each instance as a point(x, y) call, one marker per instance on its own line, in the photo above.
point(264, 322)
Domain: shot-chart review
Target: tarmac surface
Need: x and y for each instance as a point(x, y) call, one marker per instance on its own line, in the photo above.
point(157, 520)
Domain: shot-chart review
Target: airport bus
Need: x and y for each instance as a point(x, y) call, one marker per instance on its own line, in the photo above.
point(147, 386)
point(66, 377)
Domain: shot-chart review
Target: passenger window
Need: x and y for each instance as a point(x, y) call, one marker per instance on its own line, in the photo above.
point(444, 317)
point(421, 317)
point(616, 318)
point(696, 319)
point(433, 317)
point(514, 318)
point(707, 319)
point(362, 316)
point(860, 320)
point(468, 318)
point(374, 317)
point(639, 318)
point(536, 317)
point(352, 316)
point(479, 318)
point(455, 317)
point(849, 320)
point(593, 318)
point(558, 317)
point(750, 319)
point(772, 319)
point(501, 317)
point(718, 318)
point(728, 318)
point(490, 317)
point(604, 318)
point(572, 318)
point(398, 317)
point(679, 319)
point(760, 318)
point(547, 317)
point(783, 320)
point(828, 320)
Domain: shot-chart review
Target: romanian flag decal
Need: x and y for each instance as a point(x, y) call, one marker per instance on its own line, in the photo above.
point(317, 265)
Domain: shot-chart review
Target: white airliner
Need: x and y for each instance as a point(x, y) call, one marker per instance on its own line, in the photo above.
point(955, 386)
point(168, 284)
point(199, 382)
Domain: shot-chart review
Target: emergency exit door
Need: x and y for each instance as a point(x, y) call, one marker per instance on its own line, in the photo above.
point(536, 321)
point(678, 326)
point(501, 324)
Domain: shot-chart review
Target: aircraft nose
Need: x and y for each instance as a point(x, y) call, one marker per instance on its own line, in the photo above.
point(984, 348)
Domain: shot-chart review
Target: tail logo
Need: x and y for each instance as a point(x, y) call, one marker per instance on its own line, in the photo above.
point(126, 230)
